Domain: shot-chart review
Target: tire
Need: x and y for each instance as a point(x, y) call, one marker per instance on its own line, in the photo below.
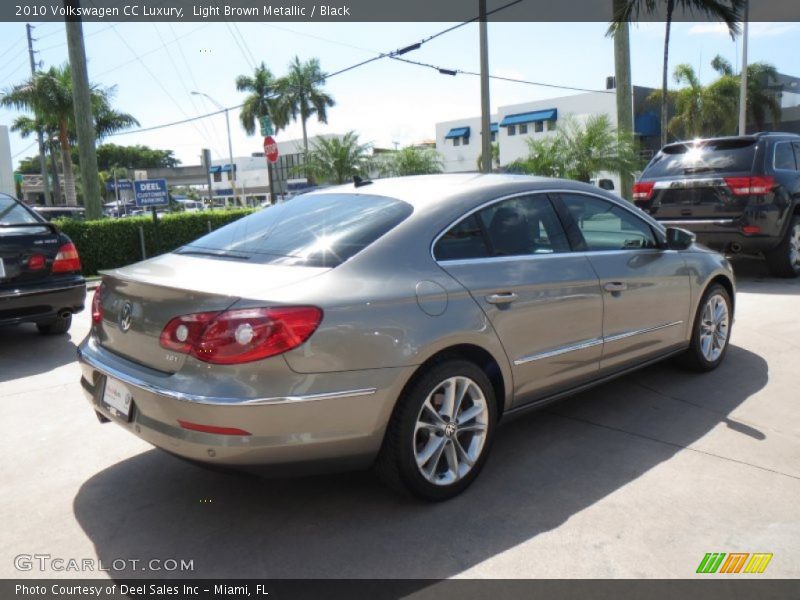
point(421, 418)
point(784, 259)
point(57, 326)
point(714, 319)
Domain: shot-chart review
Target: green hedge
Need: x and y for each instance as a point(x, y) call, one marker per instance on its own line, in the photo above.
point(111, 243)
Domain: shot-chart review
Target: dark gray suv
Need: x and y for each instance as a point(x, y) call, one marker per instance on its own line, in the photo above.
point(737, 194)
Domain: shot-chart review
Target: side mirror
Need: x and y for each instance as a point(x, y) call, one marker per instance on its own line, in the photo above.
point(679, 239)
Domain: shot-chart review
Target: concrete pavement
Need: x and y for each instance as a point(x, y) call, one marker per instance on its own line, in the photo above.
point(637, 478)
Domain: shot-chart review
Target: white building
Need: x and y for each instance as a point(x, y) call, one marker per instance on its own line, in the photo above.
point(6, 168)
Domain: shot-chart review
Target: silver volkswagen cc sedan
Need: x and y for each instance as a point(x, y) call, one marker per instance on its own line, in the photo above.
point(394, 323)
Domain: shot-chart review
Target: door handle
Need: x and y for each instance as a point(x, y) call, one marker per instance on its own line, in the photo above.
point(615, 286)
point(501, 298)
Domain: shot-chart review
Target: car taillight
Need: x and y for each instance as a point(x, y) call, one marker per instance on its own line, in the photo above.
point(750, 186)
point(97, 304)
point(240, 335)
point(67, 259)
point(643, 190)
point(36, 262)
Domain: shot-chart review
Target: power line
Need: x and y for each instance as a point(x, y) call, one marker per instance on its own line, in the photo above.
point(23, 151)
point(12, 46)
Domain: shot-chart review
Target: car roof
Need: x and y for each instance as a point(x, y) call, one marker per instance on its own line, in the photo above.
point(426, 190)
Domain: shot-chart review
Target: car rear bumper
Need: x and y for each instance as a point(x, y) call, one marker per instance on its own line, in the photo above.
point(333, 423)
point(40, 302)
point(724, 235)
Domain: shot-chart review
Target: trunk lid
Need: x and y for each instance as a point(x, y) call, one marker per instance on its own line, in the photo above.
point(21, 247)
point(139, 300)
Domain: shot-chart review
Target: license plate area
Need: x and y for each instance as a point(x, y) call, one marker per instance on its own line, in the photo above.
point(117, 398)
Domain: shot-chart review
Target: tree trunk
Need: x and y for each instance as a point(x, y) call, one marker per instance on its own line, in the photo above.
point(664, 74)
point(57, 199)
point(624, 92)
point(303, 119)
point(66, 164)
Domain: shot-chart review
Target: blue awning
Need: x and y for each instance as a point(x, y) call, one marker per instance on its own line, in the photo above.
point(551, 114)
point(647, 124)
point(457, 132)
point(220, 168)
point(494, 128)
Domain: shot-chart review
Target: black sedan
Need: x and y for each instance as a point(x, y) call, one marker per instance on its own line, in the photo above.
point(40, 271)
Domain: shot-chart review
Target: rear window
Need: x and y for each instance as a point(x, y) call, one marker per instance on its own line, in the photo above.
point(13, 213)
point(713, 156)
point(312, 230)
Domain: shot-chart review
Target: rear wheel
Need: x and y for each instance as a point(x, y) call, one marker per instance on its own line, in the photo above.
point(784, 259)
point(57, 326)
point(711, 330)
point(441, 432)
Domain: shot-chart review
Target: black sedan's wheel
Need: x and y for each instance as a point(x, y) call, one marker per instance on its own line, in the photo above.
point(57, 326)
point(711, 331)
point(784, 259)
point(441, 432)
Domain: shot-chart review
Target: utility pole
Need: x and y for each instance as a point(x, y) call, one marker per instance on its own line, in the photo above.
point(84, 121)
point(48, 200)
point(486, 125)
point(743, 76)
point(207, 165)
point(236, 198)
point(624, 93)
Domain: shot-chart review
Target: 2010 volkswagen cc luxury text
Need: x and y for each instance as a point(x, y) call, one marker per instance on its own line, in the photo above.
point(393, 323)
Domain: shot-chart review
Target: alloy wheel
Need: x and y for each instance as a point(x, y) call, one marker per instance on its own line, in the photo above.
point(714, 326)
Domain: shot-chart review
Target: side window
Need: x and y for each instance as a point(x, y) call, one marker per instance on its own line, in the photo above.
point(784, 156)
point(464, 240)
point(605, 226)
point(523, 225)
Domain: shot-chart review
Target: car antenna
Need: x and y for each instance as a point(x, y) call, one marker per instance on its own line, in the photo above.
point(359, 182)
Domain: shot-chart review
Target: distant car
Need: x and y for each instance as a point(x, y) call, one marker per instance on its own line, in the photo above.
point(393, 323)
point(40, 271)
point(737, 194)
point(50, 213)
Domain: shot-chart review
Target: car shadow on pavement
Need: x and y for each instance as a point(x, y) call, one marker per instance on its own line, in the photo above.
point(545, 467)
point(752, 276)
point(25, 352)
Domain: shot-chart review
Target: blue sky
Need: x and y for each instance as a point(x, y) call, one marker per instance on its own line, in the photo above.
point(155, 66)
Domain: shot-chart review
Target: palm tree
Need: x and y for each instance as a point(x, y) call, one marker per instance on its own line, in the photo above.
point(728, 11)
point(301, 95)
point(579, 151)
point(412, 160)
point(261, 100)
point(337, 160)
point(762, 102)
point(48, 95)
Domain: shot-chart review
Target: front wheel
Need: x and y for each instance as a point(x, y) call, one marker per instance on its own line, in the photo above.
point(784, 259)
point(711, 330)
point(441, 432)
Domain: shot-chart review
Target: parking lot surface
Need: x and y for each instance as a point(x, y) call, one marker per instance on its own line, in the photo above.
point(640, 477)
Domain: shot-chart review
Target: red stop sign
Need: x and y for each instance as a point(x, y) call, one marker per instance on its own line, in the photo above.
point(271, 149)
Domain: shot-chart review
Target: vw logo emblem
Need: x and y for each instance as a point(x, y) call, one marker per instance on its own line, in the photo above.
point(450, 429)
point(126, 317)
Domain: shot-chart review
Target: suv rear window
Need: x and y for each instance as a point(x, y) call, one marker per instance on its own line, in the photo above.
point(711, 156)
point(319, 230)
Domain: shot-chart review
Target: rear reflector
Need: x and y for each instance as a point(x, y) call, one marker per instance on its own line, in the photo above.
point(213, 429)
point(643, 190)
point(67, 259)
point(36, 262)
point(751, 229)
point(240, 335)
point(97, 304)
point(750, 186)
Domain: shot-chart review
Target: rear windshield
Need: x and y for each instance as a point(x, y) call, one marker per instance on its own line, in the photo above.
point(713, 156)
point(319, 230)
point(13, 213)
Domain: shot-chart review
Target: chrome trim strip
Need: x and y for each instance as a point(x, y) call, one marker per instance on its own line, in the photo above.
point(626, 334)
point(583, 253)
point(558, 351)
point(688, 184)
point(680, 222)
point(214, 400)
point(627, 206)
point(19, 292)
point(591, 343)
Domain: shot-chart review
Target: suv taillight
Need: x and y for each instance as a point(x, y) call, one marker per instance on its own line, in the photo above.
point(750, 186)
point(240, 335)
point(97, 304)
point(67, 259)
point(643, 190)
